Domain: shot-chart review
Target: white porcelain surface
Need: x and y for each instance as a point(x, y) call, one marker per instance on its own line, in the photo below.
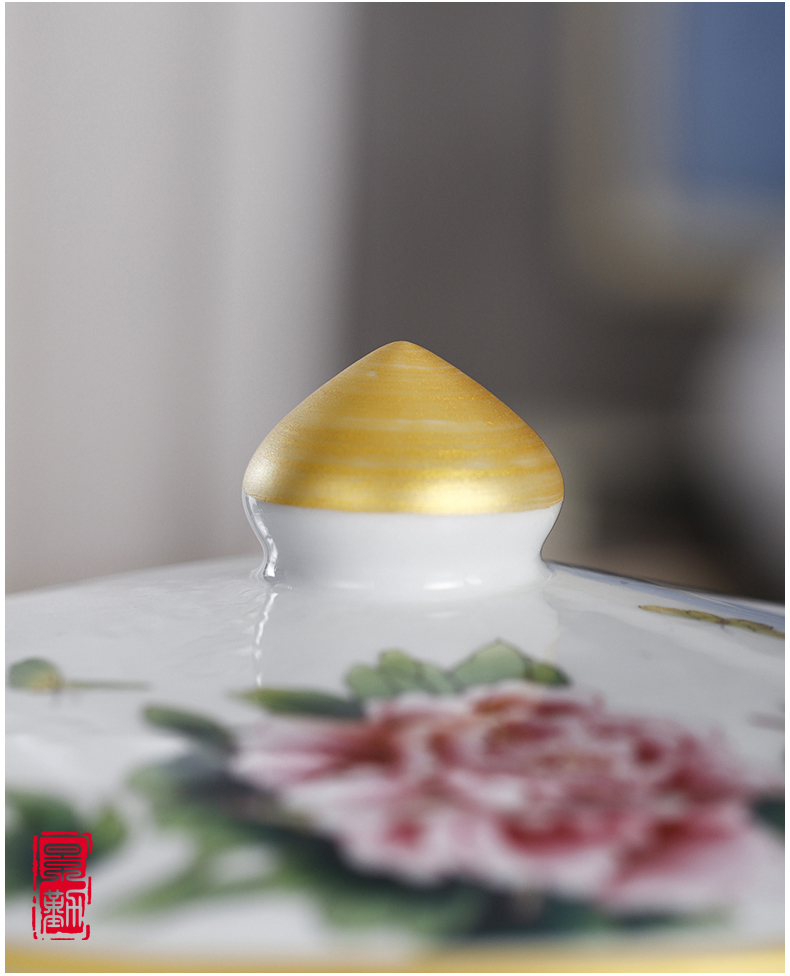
point(197, 633)
point(395, 556)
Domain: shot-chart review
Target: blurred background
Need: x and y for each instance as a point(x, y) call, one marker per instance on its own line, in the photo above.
point(213, 208)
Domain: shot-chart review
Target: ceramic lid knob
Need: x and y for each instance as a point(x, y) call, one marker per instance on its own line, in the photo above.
point(401, 430)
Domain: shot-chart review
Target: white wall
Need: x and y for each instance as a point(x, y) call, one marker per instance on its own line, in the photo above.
point(178, 192)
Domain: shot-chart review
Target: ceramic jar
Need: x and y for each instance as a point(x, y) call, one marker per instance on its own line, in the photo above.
point(403, 742)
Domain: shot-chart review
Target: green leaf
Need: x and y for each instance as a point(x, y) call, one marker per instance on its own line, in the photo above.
point(714, 619)
point(33, 813)
point(437, 682)
point(533, 914)
point(176, 800)
point(755, 627)
point(400, 671)
point(352, 898)
point(495, 662)
point(108, 831)
point(689, 614)
point(106, 686)
point(190, 885)
point(365, 682)
point(39, 674)
point(196, 727)
point(449, 910)
point(193, 795)
point(404, 673)
point(288, 702)
point(35, 674)
point(771, 811)
point(395, 674)
point(546, 674)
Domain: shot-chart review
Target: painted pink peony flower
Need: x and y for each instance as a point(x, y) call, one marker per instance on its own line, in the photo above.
point(521, 788)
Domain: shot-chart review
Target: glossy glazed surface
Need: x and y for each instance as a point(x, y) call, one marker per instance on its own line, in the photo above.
point(197, 636)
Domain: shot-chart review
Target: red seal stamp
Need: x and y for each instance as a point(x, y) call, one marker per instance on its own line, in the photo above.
point(62, 886)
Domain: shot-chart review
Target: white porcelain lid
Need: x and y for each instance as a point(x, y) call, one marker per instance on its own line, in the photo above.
point(197, 635)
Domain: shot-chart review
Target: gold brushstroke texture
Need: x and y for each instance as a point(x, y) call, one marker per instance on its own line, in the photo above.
point(401, 430)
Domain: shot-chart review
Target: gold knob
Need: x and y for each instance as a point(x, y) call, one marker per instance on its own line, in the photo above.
point(401, 430)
